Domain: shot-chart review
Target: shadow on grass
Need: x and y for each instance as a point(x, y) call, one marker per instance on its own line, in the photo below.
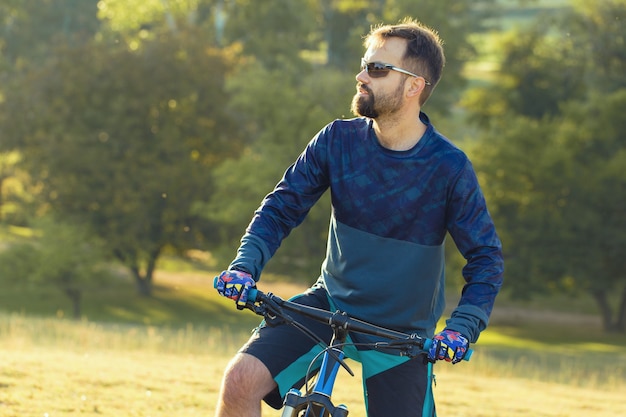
point(119, 303)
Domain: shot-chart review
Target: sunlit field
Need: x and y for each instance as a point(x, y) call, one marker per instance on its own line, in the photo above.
point(59, 367)
point(155, 378)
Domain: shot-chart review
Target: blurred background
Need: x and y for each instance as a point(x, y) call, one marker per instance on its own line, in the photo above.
point(138, 137)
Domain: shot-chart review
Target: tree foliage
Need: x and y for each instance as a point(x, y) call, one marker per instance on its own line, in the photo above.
point(30, 26)
point(553, 160)
point(280, 125)
point(162, 124)
point(65, 256)
point(15, 189)
point(556, 59)
point(125, 140)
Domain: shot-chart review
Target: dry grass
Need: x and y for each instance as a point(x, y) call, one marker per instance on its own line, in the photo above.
point(56, 368)
point(479, 395)
point(60, 382)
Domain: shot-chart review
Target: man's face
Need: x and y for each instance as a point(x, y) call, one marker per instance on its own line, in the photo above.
point(376, 97)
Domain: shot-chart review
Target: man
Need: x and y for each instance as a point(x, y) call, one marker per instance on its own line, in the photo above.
point(397, 187)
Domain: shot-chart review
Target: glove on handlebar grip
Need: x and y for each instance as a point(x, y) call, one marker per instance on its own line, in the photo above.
point(252, 292)
point(429, 342)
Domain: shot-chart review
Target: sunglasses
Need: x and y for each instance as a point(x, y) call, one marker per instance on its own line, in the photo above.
point(380, 70)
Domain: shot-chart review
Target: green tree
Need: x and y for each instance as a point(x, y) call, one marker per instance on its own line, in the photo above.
point(270, 30)
point(63, 256)
point(8, 163)
point(557, 189)
point(556, 59)
point(125, 140)
point(17, 191)
point(593, 214)
point(552, 160)
point(133, 22)
point(29, 32)
point(30, 27)
point(280, 124)
point(597, 29)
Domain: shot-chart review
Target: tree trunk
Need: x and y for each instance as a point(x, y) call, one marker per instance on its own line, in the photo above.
point(606, 312)
point(144, 281)
point(75, 297)
point(144, 285)
point(621, 313)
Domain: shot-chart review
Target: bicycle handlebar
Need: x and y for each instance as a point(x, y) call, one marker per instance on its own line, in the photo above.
point(338, 318)
point(270, 305)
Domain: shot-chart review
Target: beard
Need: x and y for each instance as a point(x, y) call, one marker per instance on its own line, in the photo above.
point(372, 106)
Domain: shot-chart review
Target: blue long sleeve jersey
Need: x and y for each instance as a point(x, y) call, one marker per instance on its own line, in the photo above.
point(390, 214)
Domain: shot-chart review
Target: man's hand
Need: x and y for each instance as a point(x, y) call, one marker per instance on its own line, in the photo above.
point(448, 345)
point(235, 284)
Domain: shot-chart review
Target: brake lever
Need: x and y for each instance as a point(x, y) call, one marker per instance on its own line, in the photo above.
point(411, 347)
point(267, 307)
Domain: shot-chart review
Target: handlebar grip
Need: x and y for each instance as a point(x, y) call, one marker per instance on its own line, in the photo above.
point(252, 295)
point(252, 292)
point(428, 343)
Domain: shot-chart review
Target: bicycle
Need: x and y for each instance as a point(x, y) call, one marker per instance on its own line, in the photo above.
point(316, 401)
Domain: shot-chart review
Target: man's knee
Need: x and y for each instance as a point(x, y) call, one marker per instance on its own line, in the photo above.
point(246, 377)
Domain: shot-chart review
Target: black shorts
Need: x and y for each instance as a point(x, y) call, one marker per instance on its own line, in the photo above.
point(394, 385)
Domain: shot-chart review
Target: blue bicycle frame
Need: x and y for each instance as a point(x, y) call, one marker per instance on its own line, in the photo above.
point(317, 403)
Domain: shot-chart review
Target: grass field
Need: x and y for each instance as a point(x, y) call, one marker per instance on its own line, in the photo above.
point(122, 367)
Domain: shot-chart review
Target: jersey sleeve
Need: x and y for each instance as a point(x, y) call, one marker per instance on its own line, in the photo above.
point(472, 229)
point(301, 186)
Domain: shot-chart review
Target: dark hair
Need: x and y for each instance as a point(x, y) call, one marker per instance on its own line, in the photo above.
point(424, 53)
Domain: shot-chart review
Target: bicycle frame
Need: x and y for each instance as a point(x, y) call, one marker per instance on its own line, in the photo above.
point(317, 403)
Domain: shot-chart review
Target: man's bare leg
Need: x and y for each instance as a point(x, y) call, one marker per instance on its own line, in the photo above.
point(246, 381)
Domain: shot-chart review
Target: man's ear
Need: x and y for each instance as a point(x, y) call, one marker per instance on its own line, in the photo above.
point(416, 87)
